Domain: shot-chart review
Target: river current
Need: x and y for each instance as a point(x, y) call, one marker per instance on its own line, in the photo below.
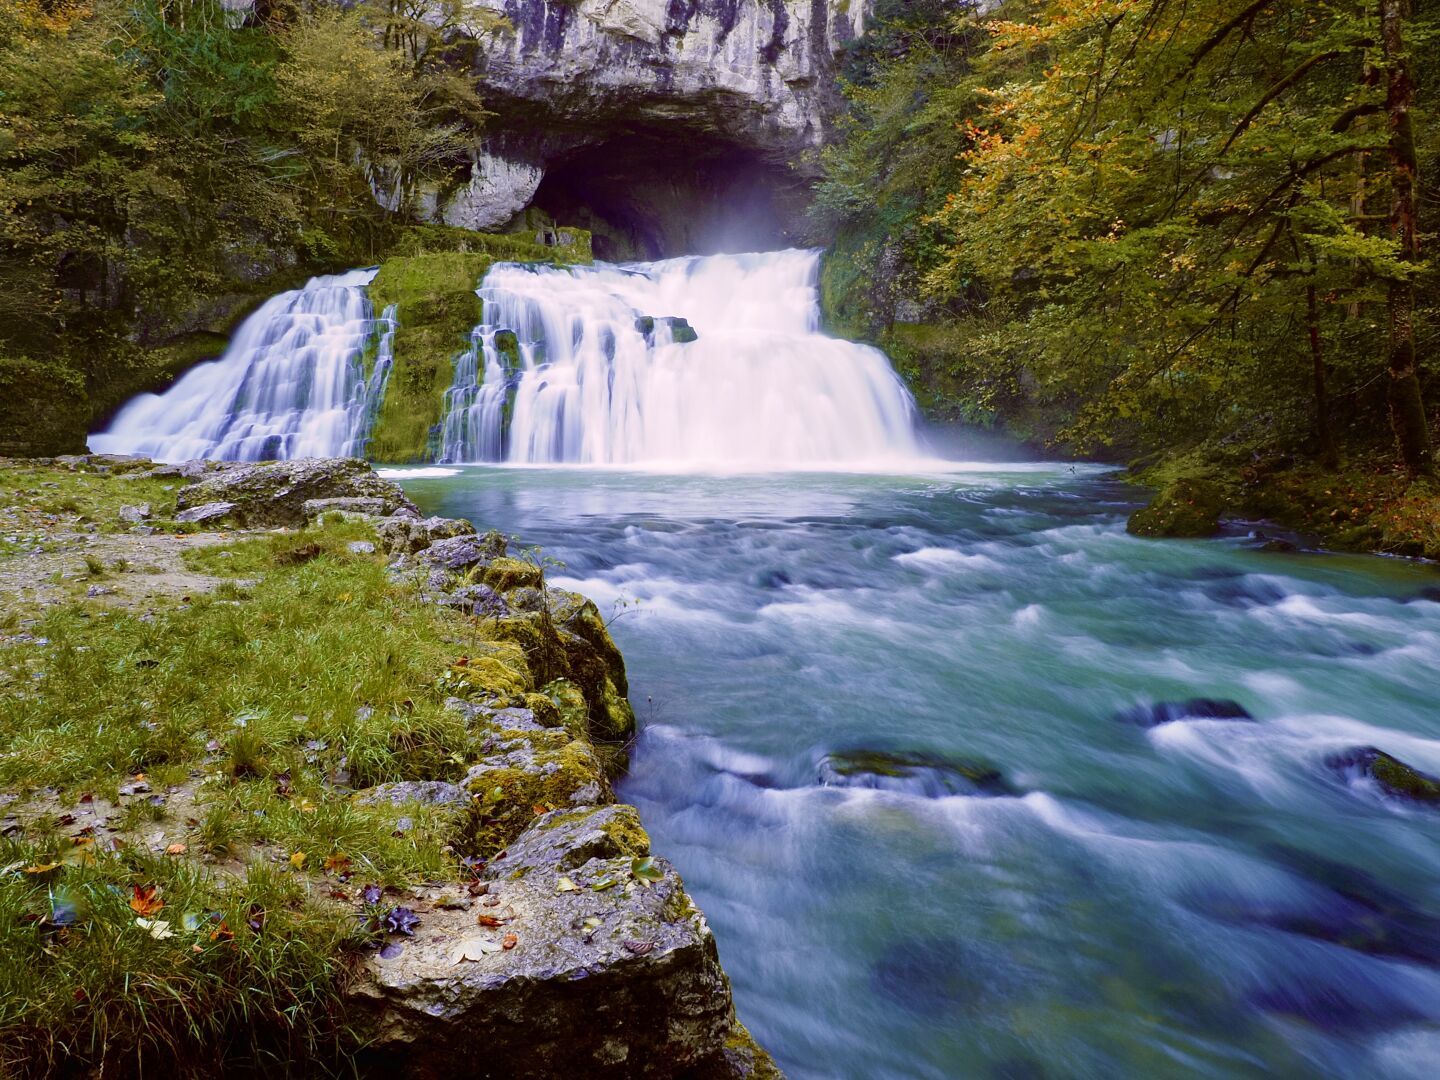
point(1128, 897)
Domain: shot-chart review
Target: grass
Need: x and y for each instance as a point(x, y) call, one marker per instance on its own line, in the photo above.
point(35, 498)
point(257, 709)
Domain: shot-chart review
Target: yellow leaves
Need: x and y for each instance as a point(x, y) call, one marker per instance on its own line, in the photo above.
point(297, 860)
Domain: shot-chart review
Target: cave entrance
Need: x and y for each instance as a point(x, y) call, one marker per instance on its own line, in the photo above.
point(657, 195)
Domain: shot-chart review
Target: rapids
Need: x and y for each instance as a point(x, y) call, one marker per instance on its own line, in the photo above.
point(1198, 897)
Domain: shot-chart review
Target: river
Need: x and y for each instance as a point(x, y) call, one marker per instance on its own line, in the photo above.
point(1204, 897)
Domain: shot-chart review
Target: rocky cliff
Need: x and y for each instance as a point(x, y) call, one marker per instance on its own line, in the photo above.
point(654, 117)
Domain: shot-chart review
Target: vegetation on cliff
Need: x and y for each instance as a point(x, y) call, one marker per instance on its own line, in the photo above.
point(1148, 226)
point(163, 166)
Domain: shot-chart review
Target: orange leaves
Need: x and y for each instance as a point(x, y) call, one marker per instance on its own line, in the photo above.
point(146, 900)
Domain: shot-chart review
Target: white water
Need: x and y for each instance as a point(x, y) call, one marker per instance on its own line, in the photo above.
point(761, 387)
point(291, 384)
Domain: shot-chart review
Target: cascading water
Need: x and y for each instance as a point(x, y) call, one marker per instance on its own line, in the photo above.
point(580, 365)
point(291, 384)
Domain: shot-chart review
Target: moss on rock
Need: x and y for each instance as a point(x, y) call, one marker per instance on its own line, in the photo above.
point(1188, 507)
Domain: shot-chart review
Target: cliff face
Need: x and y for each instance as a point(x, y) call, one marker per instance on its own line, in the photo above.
point(689, 102)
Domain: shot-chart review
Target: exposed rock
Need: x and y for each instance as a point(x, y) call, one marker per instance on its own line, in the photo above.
point(567, 839)
point(318, 508)
point(1186, 508)
point(680, 331)
point(184, 470)
point(460, 553)
point(922, 774)
point(475, 600)
point(425, 792)
point(1165, 712)
point(622, 981)
point(134, 514)
point(207, 512)
point(275, 493)
point(360, 547)
point(1392, 775)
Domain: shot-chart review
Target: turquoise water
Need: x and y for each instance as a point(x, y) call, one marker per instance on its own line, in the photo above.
point(1197, 898)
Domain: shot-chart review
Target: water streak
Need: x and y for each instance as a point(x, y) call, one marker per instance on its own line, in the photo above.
point(583, 365)
point(291, 384)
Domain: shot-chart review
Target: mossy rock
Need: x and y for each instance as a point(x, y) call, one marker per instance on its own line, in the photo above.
point(537, 771)
point(569, 701)
point(505, 573)
point(44, 410)
point(1393, 776)
point(1185, 508)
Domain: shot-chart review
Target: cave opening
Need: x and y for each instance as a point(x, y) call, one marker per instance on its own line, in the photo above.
point(656, 195)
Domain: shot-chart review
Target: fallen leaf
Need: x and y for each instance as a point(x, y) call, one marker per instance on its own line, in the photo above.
point(159, 929)
point(222, 933)
point(337, 863)
point(401, 920)
point(297, 860)
point(490, 920)
point(370, 894)
point(592, 923)
point(645, 871)
point(41, 868)
point(473, 949)
point(177, 849)
point(509, 941)
point(566, 885)
point(603, 884)
point(146, 900)
point(639, 948)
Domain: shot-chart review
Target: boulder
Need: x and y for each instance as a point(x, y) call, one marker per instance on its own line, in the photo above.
point(927, 775)
point(1186, 508)
point(276, 493)
point(134, 514)
point(1165, 712)
point(607, 975)
point(425, 792)
point(207, 512)
point(1393, 776)
point(458, 554)
point(315, 509)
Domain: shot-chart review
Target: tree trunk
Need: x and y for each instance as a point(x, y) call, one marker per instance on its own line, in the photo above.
point(1407, 409)
point(1329, 458)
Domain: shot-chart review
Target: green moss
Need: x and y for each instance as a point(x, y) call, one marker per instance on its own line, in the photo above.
point(432, 282)
point(1400, 779)
point(748, 1058)
point(1186, 508)
point(569, 701)
point(44, 409)
point(507, 798)
point(505, 573)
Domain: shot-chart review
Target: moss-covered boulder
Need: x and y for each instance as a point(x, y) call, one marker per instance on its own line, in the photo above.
point(1185, 508)
point(1393, 776)
point(44, 410)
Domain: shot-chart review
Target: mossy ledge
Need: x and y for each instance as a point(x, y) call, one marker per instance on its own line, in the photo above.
point(432, 281)
point(341, 786)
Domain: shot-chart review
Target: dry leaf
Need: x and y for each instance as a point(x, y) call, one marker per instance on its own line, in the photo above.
point(297, 860)
point(146, 900)
point(509, 941)
point(473, 949)
point(176, 849)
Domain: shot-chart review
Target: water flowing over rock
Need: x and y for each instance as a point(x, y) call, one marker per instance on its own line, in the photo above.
point(292, 384)
point(580, 365)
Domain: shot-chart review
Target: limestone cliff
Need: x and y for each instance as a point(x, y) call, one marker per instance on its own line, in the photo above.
point(644, 113)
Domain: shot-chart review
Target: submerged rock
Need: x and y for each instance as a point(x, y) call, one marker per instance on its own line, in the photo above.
point(1392, 775)
point(275, 493)
point(1185, 508)
point(1165, 712)
point(922, 774)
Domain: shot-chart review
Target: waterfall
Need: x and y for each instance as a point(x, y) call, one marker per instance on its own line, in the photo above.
point(597, 365)
point(291, 384)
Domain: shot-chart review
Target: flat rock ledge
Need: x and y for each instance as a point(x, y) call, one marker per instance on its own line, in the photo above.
point(575, 952)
